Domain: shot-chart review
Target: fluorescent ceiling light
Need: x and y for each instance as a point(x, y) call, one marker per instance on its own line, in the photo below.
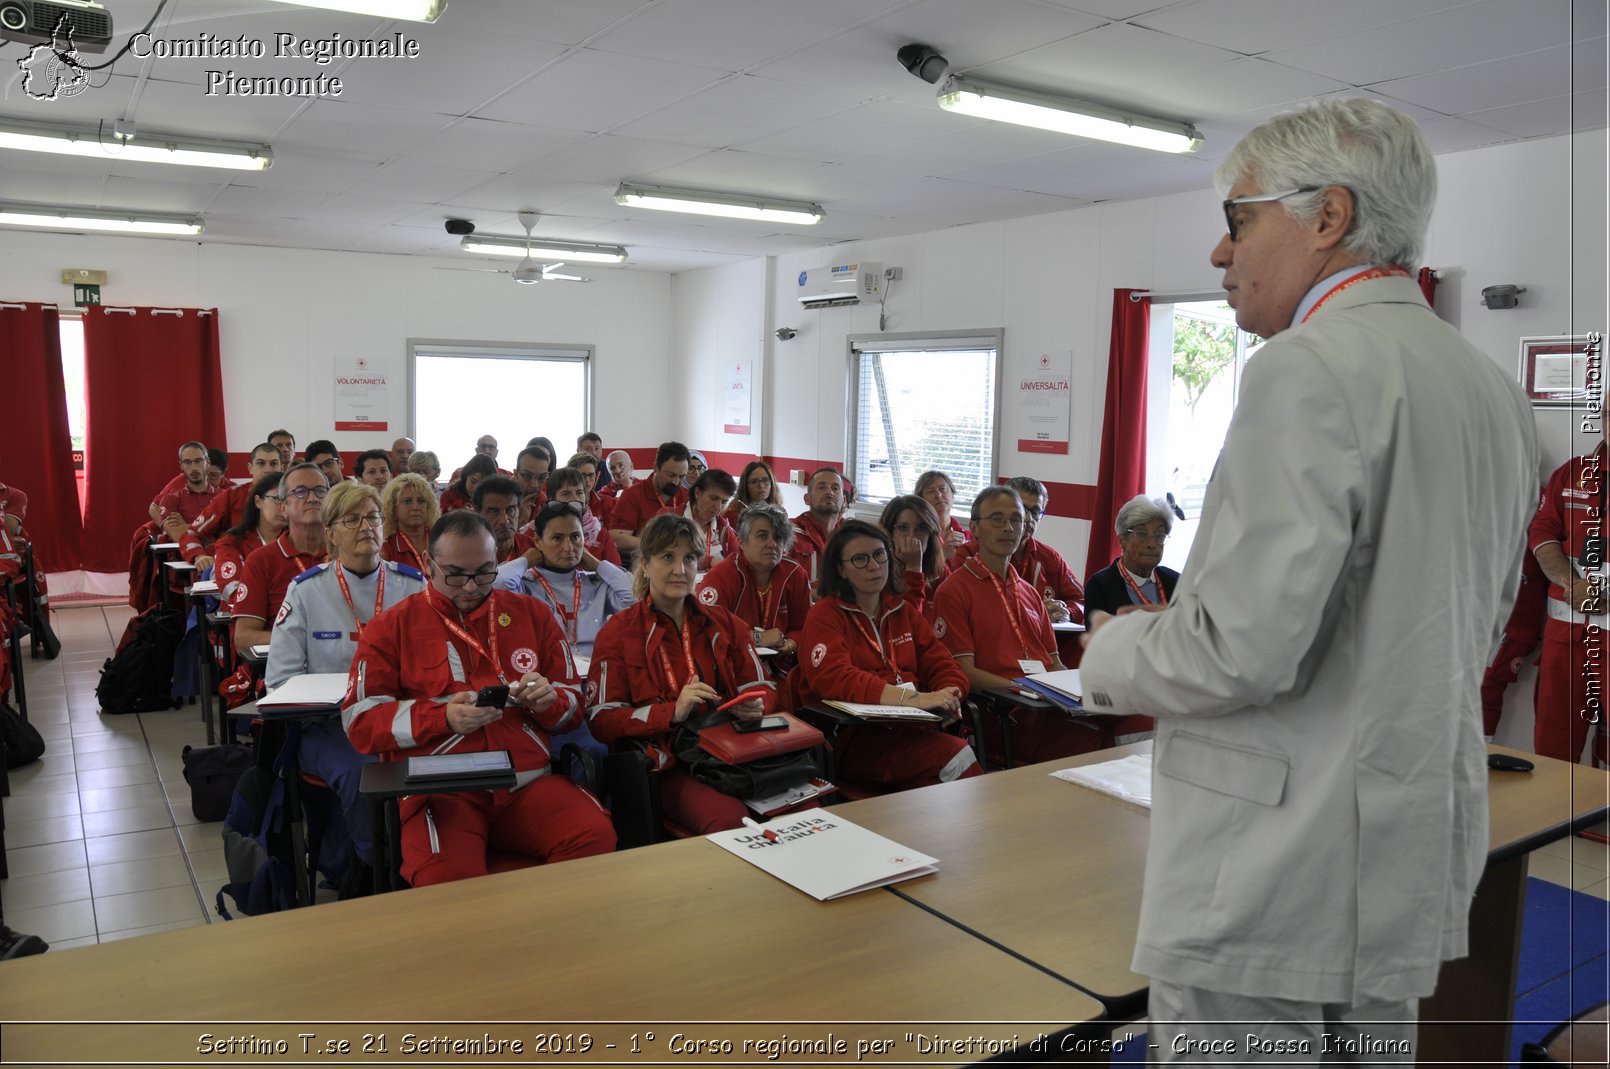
point(726, 205)
point(409, 10)
point(101, 143)
point(42, 218)
point(1025, 107)
point(543, 249)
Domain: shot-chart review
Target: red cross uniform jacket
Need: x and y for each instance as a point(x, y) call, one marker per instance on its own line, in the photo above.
point(222, 512)
point(787, 600)
point(847, 657)
point(639, 667)
point(409, 662)
point(1041, 567)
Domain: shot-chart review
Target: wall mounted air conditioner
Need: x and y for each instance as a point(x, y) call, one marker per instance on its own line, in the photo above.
point(840, 284)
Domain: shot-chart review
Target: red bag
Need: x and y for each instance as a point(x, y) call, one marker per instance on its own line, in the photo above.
point(739, 748)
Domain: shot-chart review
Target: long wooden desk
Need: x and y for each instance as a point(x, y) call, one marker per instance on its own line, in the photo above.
point(649, 941)
point(1052, 872)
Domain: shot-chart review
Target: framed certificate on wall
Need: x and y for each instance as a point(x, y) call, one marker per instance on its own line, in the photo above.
point(1558, 371)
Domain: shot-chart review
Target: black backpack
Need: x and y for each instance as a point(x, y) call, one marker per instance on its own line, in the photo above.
point(20, 740)
point(139, 677)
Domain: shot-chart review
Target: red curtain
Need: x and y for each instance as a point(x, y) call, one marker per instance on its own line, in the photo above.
point(1122, 473)
point(153, 382)
point(36, 449)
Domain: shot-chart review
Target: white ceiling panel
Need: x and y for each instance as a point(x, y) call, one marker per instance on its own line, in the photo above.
point(1114, 9)
point(871, 127)
point(731, 170)
point(565, 21)
point(740, 109)
point(377, 132)
point(1472, 33)
point(1255, 26)
point(413, 182)
point(155, 195)
point(1446, 133)
point(518, 192)
point(1234, 87)
point(51, 185)
point(241, 201)
point(485, 67)
point(1496, 83)
point(356, 211)
point(488, 145)
point(920, 196)
point(597, 91)
point(325, 171)
point(1012, 205)
point(1101, 64)
point(606, 158)
point(1546, 118)
point(733, 35)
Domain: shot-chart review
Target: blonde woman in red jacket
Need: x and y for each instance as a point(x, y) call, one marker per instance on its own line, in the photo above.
point(865, 643)
point(667, 658)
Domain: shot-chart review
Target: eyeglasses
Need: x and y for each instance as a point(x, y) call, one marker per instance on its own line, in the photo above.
point(864, 561)
point(463, 579)
point(1004, 519)
point(352, 523)
point(1230, 223)
point(566, 508)
point(301, 492)
point(1160, 537)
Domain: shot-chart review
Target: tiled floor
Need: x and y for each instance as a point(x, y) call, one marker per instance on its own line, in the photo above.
point(100, 837)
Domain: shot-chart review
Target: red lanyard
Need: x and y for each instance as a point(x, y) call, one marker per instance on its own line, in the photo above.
point(553, 599)
point(346, 592)
point(1374, 272)
point(687, 652)
point(470, 640)
point(877, 647)
point(768, 606)
point(407, 545)
point(1162, 598)
point(1011, 609)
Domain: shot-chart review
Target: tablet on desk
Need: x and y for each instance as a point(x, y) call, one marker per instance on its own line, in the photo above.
point(492, 764)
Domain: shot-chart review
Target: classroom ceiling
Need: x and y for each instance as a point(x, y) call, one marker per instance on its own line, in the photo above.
point(549, 104)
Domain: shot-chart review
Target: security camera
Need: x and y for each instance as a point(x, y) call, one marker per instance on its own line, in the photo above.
point(923, 61)
point(786, 333)
point(460, 226)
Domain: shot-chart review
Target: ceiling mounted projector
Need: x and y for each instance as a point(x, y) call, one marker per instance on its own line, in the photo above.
point(34, 22)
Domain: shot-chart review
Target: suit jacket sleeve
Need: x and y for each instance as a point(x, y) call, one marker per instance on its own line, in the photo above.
point(1272, 556)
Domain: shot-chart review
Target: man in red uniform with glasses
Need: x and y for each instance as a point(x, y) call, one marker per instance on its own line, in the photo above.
point(413, 690)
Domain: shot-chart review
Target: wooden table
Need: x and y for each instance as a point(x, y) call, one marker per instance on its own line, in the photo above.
point(1053, 871)
point(655, 940)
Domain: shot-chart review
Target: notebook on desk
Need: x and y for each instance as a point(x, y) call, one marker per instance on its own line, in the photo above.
point(493, 764)
point(312, 691)
point(865, 711)
point(1063, 688)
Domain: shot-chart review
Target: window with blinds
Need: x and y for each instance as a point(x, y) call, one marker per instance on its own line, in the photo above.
point(923, 403)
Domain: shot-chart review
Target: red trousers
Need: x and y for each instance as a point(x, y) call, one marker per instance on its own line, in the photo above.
point(449, 836)
point(697, 808)
point(1046, 736)
point(903, 756)
point(1570, 692)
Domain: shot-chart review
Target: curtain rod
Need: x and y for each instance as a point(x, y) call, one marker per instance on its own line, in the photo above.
point(8, 304)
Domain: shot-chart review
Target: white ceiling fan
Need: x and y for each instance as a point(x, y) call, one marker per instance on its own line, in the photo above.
point(527, 272)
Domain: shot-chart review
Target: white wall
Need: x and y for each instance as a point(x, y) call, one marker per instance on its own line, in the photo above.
point(285, 315)
point(1531, 213)
point(713, 330)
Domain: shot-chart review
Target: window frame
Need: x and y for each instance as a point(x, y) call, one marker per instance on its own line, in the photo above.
point(992, 338)
point(565, 352)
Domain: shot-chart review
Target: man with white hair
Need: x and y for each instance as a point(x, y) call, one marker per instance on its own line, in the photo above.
point(1319, 810)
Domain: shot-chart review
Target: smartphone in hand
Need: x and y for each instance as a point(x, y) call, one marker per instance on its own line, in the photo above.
point(493, 697)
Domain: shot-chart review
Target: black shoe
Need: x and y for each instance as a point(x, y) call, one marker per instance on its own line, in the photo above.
point(14, 944)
